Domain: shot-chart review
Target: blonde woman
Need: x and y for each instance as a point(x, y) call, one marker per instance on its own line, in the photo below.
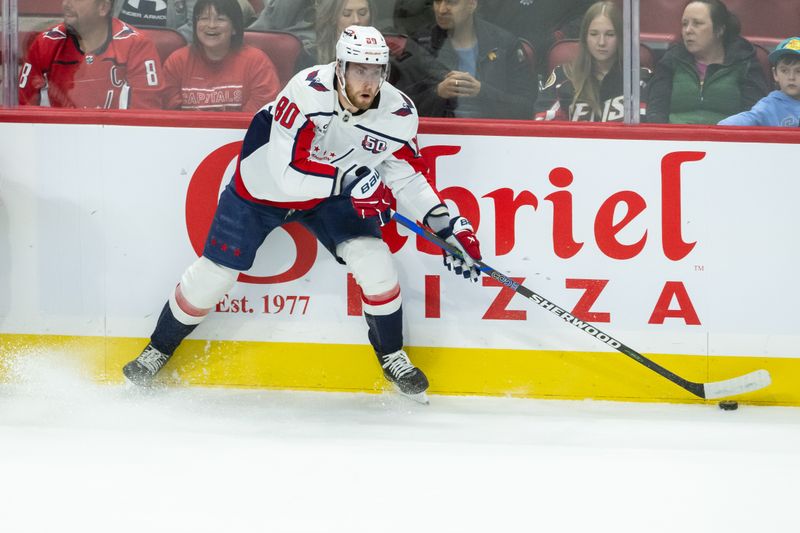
point(333, 16)
point(590, 87)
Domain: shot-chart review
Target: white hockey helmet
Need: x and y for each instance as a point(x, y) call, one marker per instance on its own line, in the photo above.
point(361, 44)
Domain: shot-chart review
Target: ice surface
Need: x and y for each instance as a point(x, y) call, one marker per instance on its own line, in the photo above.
point(78, 456)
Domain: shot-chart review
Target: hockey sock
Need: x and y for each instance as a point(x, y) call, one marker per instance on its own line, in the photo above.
point(386, 331)
point(169, 332)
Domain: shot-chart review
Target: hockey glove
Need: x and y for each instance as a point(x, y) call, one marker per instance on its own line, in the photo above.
point(369, 196)
point(460, 234)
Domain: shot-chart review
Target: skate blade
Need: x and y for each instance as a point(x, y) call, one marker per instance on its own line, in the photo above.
point(420, 397)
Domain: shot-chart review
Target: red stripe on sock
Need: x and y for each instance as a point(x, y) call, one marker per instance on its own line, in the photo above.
point(186, 307)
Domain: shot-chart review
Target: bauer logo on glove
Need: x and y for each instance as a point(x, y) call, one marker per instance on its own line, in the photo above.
point(369, 196)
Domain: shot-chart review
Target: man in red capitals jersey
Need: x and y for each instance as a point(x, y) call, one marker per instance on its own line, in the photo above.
point(91, 60)
point(322, 154)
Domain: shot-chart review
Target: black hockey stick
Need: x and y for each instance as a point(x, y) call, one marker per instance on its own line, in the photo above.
point(750, 382)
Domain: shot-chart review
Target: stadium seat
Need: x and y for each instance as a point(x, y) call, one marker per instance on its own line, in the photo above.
point(281, 47)
point(566, 50)
point(166, 40)
point(396, 43)
point(767, 22)
point(660, 21)
point(529, 55)
point(763, 57)
point(39, 8)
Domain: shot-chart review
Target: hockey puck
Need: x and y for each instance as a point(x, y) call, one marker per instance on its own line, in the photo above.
point(729, 405)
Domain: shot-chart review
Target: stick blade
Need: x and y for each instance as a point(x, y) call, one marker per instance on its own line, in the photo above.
point(731, 387)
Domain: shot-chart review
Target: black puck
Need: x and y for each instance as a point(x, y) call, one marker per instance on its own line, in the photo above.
point(729, 405)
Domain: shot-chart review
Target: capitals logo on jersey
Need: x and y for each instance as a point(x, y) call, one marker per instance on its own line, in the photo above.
point(314, 83)
point(407, 109)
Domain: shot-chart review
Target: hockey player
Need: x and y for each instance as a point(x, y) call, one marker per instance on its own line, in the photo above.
point(323, 153)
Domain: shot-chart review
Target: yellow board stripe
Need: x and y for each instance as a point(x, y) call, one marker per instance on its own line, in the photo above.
point(337, 367)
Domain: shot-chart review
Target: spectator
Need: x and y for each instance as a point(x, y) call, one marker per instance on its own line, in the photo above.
point(333, 16)
point(590, 87)
point(781, 107)
point(217, 72)
point(540, 22)
point(712, 74)
point(91, 60)
point(467, 67)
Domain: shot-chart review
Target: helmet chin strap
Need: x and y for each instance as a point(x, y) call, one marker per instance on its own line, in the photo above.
point(342, 91)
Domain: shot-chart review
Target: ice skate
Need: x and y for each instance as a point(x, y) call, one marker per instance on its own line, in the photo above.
point(144, 368)
point(407, 379)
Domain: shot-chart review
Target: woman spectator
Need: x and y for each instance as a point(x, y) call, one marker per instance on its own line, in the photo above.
point(217, 72)
point(712, 74)
point(333, 16)
point(590, 87)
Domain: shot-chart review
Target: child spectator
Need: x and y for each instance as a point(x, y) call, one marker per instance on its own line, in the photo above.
point(91, 60)
point(590, 87)
point(467, 67)
point(781, 107)
point(217, 72)
point(712, 74)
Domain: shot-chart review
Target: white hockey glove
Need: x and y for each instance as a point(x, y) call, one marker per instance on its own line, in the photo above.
point(369, 196)
point(459, 233)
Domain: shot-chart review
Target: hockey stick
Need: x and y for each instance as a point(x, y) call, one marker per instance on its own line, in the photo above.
point(716, 389)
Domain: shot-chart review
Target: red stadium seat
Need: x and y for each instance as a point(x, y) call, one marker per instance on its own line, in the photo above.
point(767, 22)
point(529, 55)
point(396, 43)
point(39, 8)
point(565, 51)
point(763, 57)
point(166, 40)
point(660, 20)
point(281, 47)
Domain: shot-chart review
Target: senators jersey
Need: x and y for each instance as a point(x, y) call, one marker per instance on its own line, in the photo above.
point(123, 73)
point(555, 100)
point(298, 146)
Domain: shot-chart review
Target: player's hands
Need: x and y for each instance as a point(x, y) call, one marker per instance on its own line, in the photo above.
point(369, 196)
point(460, 234)
point(458, 84)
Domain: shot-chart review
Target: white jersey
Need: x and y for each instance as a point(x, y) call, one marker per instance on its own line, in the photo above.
point(298, 145)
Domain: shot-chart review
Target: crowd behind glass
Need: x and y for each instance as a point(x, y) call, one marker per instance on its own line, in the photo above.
point(732, 62)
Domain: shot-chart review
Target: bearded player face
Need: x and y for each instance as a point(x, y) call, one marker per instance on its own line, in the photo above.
point(362, 83)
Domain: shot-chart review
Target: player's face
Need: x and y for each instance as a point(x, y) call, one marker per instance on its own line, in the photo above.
point(362, 83)
point(698, 29)
point(451, 14)
point(83, 15)
point(601, 39)
point(354, 13)
point(214, 32)
point(788, 78)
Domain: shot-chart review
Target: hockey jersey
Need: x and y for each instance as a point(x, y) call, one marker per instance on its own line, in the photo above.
point(555, 98)
point(299, 146)
point(245, 80)
point(123, 73)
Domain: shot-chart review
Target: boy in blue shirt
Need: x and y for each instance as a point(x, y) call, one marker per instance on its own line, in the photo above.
point(778, 108)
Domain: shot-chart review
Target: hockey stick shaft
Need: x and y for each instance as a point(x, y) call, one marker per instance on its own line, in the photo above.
point(746, 383)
